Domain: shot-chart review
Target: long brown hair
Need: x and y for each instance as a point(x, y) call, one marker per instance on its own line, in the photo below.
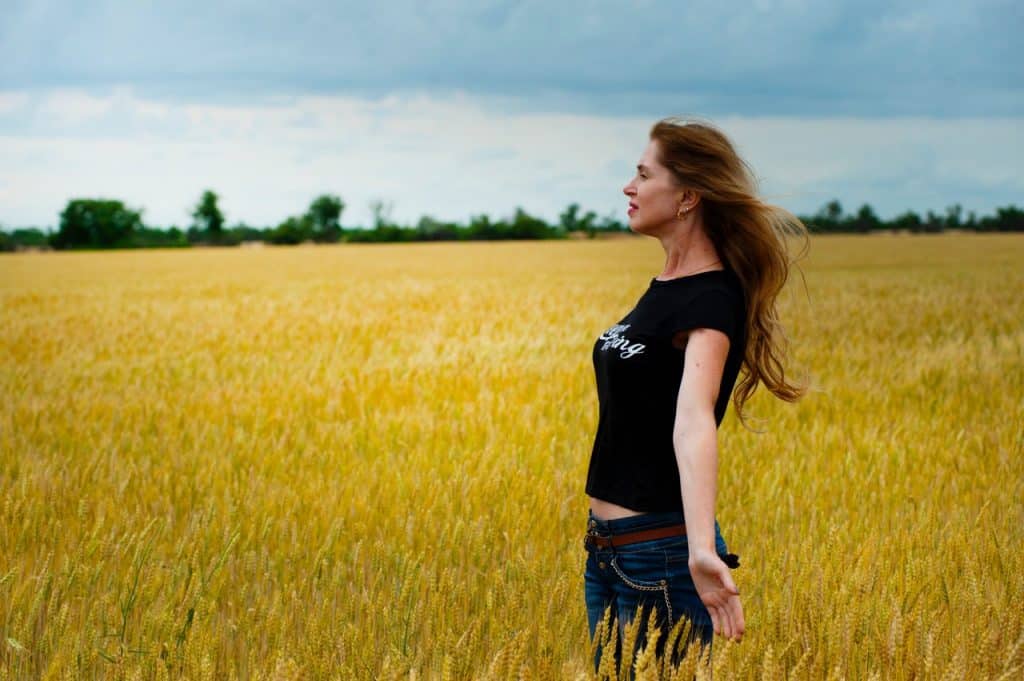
point(750, 237)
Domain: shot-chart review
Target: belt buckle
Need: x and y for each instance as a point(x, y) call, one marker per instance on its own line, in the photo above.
point(588, 539)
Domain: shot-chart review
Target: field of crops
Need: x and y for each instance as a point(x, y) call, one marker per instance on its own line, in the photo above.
point(368, 462)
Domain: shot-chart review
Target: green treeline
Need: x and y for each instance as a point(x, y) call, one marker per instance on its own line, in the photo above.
point(106, 223)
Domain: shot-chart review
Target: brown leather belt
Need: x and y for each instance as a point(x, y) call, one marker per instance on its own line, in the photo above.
point(632, 537)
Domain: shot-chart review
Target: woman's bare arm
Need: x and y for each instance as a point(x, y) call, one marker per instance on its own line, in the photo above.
point(695, 437)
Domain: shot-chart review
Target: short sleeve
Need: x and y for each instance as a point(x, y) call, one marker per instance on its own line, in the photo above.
point(711, 309)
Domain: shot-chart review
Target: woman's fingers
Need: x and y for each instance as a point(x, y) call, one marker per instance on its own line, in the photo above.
point(720, 615)
point(734, 618)
point(726, 616)
point(736, 610)
point(731, 604)
point(715, 621)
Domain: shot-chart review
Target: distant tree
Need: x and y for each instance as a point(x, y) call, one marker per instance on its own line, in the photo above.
point(933, 222)
point(865, 220)
point(243, 232)
point(1011, 218)
point(429, 229)
point(96, 223)
point(833, 211)
point(325, 216)
point(481, 220)
point(479, 225)
point(381, 211)
point(29, 237)
point(1008, 219)
point(526, 226)
point(293, 230)
point(567, 220)
point(570, 220)
point(153, 237)
point(909, 221)
point(830, 216)
point(953, 214)
point(610, 223)
point(207, 217)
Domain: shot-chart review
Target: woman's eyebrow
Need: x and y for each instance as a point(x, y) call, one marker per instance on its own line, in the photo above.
point(641, 166)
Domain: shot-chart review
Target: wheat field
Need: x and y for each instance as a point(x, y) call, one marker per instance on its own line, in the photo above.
point(368, 462)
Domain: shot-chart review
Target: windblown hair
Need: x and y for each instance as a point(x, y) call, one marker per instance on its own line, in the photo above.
point(750, 237)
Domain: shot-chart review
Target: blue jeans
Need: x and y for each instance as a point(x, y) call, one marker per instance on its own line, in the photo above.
point(652, 573)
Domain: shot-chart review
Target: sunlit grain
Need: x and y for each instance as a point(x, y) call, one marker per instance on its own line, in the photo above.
point(368, 461)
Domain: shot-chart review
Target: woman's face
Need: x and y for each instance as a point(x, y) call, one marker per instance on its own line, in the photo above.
point(654, 196)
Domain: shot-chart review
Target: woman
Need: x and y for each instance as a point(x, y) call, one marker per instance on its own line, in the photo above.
point(665, 373)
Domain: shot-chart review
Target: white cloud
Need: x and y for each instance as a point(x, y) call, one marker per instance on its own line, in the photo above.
point(13, 101)
point(71, 106)
point(871, 58)
point(455, 156)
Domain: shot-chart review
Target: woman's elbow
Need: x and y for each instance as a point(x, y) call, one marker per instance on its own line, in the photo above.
point(693, 425)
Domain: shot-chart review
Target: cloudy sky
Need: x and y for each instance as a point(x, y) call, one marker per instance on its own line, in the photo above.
point(462, 107)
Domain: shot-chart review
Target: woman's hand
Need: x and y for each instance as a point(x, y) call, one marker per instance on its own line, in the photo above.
point(718, 593)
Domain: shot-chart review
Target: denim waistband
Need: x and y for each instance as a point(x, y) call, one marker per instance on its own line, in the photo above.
point(634, 522)
point(643, 521)
point(615, 526)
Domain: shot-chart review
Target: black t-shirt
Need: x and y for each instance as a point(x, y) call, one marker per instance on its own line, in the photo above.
point(638, 374)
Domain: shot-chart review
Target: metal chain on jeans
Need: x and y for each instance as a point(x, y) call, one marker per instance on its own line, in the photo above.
point(663, 588)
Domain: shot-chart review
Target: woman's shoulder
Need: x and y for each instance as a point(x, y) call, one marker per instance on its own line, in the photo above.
point(719, 282)
point(711, 287)
point(713, 299)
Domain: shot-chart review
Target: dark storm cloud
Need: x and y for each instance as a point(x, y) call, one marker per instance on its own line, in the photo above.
point(756, 58)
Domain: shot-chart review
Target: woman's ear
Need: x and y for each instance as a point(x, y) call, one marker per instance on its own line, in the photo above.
point(688, 200)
